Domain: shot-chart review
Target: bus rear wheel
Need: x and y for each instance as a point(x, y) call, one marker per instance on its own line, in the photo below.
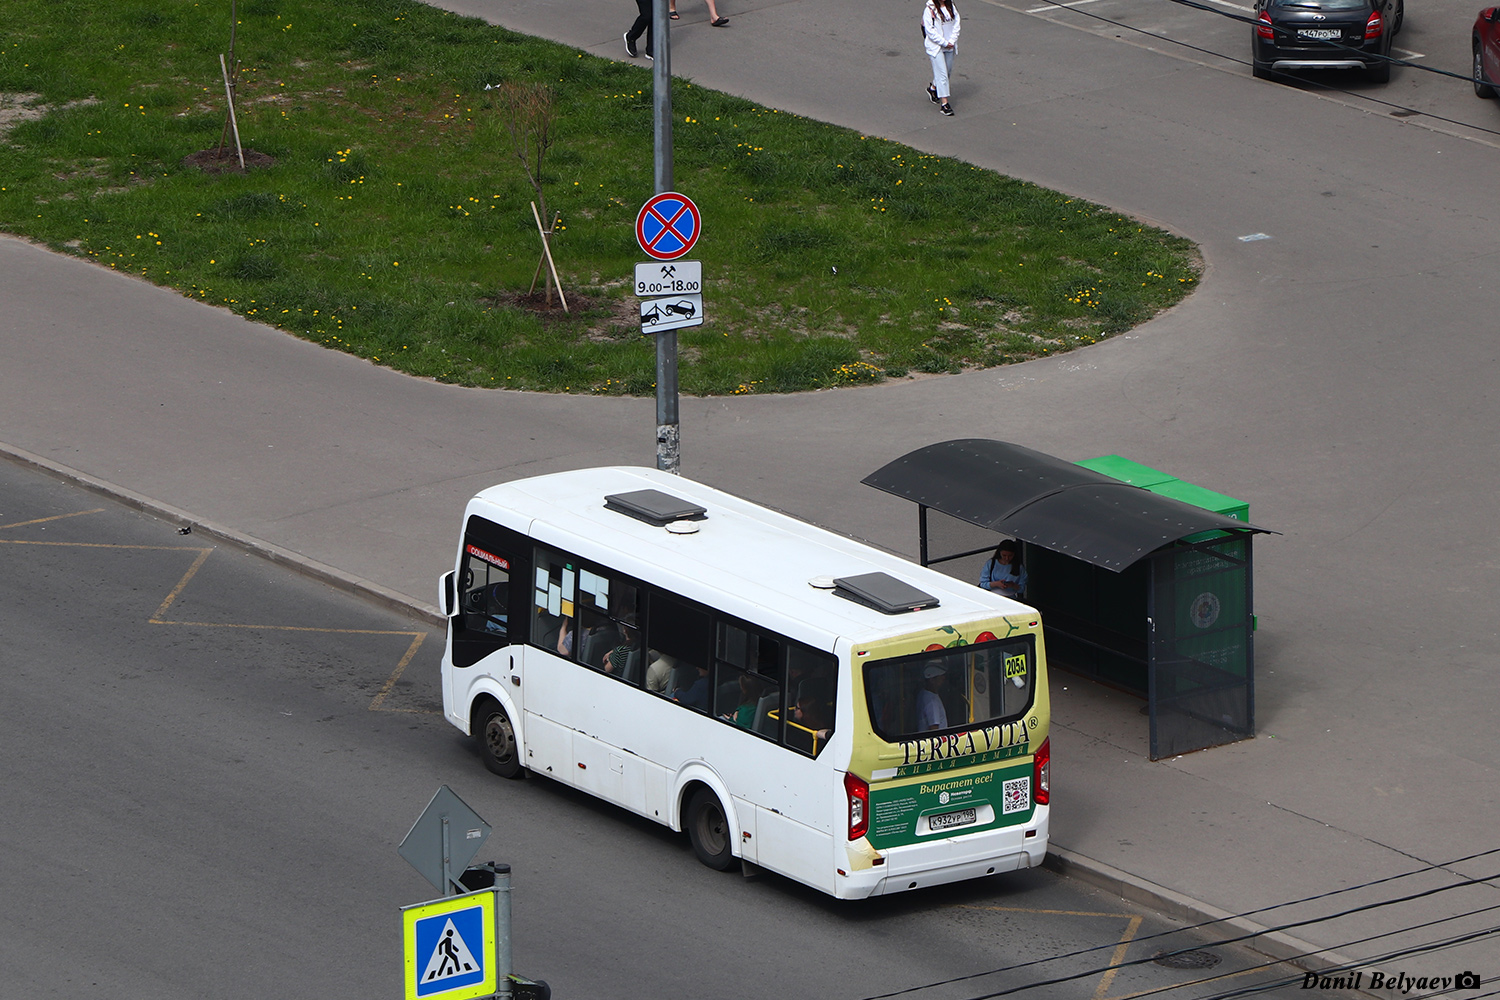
point(708, 829)
point(497, 741)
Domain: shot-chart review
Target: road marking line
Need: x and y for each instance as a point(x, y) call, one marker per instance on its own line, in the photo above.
point(1032, 909)
point(396, 675)
point(1057, 6)
point(55, 517)
point(1121, 950)
point(197, 564)
point(203, 554)
point(1195, 982)
point(105, 545)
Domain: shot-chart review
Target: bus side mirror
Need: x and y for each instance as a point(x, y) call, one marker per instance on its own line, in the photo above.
point(446, 596)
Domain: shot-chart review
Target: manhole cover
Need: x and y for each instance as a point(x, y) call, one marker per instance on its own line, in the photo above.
point(1186, 959)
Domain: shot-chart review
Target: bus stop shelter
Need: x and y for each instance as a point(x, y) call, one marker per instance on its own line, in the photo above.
point(1137, 590)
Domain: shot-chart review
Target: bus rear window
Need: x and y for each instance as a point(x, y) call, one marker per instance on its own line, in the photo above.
point(947, 689)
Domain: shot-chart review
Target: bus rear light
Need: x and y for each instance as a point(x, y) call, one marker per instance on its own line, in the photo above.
point(858, 792)
point(1042, 780)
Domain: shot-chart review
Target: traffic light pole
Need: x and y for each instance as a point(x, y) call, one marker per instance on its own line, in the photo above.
point(668, 432)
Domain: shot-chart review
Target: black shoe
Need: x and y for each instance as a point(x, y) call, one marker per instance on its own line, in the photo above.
point(630, 49)
point(946, 109)
point(650, 57)
point(932, 93)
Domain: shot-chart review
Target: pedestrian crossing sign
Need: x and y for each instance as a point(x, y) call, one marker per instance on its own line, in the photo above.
point(450, 948)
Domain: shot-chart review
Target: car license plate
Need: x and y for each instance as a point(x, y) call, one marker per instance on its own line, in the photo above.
point(962, 817)
point(1319, 34)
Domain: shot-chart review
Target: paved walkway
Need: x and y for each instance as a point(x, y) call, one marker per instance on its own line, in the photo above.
point(1338, 377)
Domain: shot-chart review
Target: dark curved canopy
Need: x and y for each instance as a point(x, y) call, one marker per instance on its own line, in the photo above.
point(1046, 501)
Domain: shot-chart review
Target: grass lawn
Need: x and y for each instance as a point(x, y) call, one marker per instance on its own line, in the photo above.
point(395, 222)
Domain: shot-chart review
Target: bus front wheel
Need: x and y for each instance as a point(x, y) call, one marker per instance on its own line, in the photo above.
point(497, 741)
point(708, 828)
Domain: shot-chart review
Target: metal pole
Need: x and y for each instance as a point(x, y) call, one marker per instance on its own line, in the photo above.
point(503, 955)
point(667, 427)
point(447, 860)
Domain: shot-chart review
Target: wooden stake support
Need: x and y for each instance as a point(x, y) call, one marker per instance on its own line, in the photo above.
point(547, 256)
point(229, 95)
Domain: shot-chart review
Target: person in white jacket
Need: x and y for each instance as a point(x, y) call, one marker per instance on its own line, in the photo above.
point(940, 39)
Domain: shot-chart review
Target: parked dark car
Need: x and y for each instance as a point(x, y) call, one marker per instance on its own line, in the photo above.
point(1487, 52)
point(1325, 34)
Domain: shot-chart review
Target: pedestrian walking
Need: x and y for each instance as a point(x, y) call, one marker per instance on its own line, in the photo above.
point(713, 14)
point(940, 39)
point(642, 23)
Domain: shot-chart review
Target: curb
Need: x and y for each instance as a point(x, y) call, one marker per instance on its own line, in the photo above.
point(346, 582)
point(1275, 945)
point(1068, 864)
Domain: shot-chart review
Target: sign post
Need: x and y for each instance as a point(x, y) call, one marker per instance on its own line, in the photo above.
point(667, 425)
point(667, 227)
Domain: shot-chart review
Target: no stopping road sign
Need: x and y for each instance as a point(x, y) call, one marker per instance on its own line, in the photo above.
point(668, 225)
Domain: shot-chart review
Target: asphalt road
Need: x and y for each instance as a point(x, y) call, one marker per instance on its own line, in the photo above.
point(211, 760)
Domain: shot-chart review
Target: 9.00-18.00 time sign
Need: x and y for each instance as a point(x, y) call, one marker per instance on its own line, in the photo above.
point(677, 277)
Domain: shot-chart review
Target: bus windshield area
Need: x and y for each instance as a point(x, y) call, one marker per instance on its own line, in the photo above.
point(954, 688)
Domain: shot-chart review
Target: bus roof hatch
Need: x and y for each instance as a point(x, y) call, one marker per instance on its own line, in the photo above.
point(884, 593)
point(654, 507)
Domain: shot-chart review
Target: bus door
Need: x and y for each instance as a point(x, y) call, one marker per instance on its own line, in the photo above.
point(486, 603)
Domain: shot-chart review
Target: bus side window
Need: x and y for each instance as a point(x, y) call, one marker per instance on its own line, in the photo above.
point(609, 624)
point(810, 679)
point(484, 597)
point(748, 679)
point(482, 623)
point(553, 595)
point(683, 636)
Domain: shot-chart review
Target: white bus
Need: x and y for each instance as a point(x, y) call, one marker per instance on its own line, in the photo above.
point(793, 699)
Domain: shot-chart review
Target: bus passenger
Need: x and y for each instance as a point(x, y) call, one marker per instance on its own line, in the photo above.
point(697, 695)
point(630, 642)
point(659, 674)
point(930, 711)
point(565, 637)
point(744, 713)
point(809, 717)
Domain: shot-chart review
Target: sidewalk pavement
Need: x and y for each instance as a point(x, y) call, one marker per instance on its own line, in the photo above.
point(1376, 653)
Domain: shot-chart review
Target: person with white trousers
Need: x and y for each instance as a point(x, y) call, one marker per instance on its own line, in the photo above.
point(940, 39)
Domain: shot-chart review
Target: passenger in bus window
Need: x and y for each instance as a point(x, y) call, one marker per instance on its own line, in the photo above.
point(809, 725)
point(696, 696)
point(630, 642)
point(565, 637)
point(659, 674)
point(744, 713)
point(930, 711)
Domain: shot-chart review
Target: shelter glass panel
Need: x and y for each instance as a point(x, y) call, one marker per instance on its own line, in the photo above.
point(1202, 691)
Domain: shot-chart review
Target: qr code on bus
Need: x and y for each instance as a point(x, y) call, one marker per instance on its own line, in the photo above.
point(1016, 795)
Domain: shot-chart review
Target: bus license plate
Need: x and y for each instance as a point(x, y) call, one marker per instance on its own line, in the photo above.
point(962, 817)
point(1320, 34)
